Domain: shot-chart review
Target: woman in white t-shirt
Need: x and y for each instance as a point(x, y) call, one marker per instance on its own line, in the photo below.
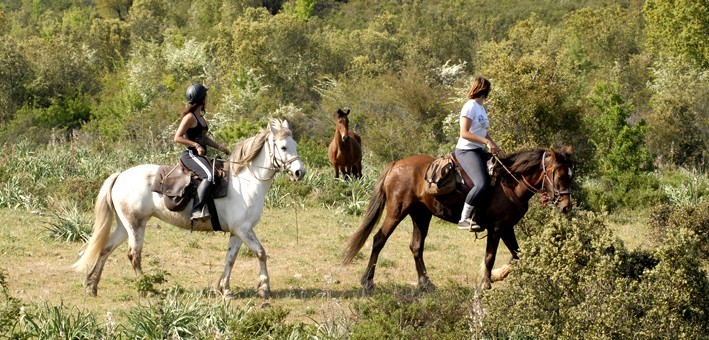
point(473, 141)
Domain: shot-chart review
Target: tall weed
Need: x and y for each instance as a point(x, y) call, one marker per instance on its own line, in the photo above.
point(48, 322)
point(68, 224)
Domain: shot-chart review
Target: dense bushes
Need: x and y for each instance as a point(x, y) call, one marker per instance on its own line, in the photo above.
point(574, 280)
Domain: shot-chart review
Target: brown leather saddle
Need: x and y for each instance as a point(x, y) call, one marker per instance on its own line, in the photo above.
point(178, 184)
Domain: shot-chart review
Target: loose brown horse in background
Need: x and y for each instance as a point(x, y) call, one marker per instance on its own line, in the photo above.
point(345, 151)
point(401, 189)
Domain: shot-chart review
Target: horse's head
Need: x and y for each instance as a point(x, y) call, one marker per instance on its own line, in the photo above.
point(558, 176)
point(284, 150)
point(342, 124)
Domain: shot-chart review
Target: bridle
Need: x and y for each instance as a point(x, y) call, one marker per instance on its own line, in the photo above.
point(556, 194)
point(281, 166)
point(278, 164)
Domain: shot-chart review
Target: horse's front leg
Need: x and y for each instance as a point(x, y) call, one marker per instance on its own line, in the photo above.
point(421, 222)
point(248, 236)
point(493, 240)
point(231, 253)
point(510, 240)
point(337, 170)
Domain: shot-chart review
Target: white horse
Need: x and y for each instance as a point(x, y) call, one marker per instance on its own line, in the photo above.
point(128, 197)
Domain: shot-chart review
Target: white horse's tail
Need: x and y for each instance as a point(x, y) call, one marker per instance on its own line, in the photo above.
point(105, 213)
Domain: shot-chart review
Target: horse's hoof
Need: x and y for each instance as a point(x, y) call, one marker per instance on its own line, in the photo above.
point(427, 287)
point(227, 294)
point(91, 291)
point(367, 285)
point(486, 285)
point(264, 291)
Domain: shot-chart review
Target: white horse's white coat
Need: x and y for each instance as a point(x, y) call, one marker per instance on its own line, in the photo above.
point(128, 198)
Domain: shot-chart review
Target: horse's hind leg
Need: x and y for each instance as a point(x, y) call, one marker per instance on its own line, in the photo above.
point(116, 238)
point(223, 284)
point(380, 238)
point(248, 236)
point(136, 232)
point(421, 220)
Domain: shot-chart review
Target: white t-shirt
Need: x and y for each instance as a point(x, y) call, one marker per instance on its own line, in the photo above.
point(480, 123)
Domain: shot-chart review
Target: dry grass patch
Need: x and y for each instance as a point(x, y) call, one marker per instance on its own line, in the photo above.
point(304, 263)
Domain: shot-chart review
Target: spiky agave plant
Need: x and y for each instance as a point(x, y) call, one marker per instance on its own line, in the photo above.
point(68, 225)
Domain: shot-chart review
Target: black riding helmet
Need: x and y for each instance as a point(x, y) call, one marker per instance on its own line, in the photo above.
point(196, 93)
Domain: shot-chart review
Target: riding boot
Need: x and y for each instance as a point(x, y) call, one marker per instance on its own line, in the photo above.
point(199, 207)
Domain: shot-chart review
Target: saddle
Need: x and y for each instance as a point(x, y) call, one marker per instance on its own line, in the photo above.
point(445, 174)
point(178, 184)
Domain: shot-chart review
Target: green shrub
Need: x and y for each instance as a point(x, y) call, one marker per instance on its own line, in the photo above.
point(684, 187)
point(9, 308)
point(409, 315)
point(669, 219)
point(625, 191)
point(575, 281)
point(148, 284)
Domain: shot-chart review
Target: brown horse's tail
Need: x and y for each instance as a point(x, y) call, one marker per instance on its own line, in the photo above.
point(370, 220)
point(102, 226)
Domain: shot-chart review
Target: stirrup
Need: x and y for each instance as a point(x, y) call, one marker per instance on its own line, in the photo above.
point(470, 225)
point(200, 214)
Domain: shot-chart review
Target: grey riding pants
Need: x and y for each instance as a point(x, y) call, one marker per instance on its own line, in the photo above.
point(472, 163)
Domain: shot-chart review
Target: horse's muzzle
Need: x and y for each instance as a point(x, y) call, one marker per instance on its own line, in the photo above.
point(298, 175)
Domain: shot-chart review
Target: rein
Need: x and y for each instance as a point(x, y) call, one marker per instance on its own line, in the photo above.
point(545, 177)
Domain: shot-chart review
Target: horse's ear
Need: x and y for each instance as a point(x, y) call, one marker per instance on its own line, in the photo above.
point(339, 113)
point(284, 124)
point(553, 155)
point(348, 112)
point(569, 150)
point(274, 125)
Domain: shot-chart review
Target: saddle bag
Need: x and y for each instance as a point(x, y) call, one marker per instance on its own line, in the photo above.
point(441, 176)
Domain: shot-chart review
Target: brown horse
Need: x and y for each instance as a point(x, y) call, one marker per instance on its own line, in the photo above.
point(401, 189)
point(345, 151)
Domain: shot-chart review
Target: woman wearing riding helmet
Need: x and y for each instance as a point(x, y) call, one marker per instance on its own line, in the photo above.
point(192, 133)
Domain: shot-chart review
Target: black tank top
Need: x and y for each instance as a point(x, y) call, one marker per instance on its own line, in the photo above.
point(196, 133)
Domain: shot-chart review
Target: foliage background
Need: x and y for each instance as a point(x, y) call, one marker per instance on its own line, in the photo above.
point(90, 87)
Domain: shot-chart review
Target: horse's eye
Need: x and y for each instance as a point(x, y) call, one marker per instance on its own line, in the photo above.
point(283, 148)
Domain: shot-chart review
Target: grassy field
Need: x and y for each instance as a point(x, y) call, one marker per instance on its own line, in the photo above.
point(304, 249)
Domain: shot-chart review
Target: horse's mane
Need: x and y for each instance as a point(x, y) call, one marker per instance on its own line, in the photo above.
point(526, 161)
point(246, 150)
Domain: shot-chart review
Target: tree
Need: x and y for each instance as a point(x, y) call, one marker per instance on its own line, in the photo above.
point(678, 29)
